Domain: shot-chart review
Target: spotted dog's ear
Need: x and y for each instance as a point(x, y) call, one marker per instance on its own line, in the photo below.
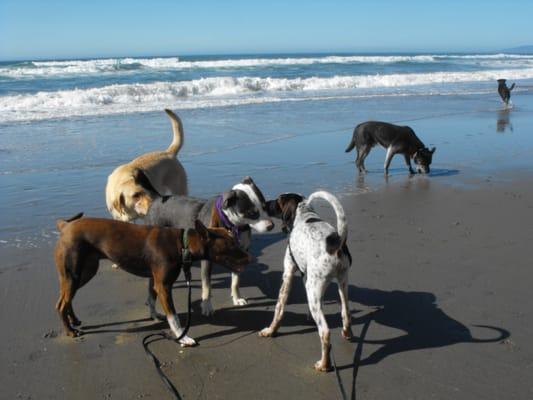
point(273, 209)
point(229, 199)
point(433, 150)
point(287, 217)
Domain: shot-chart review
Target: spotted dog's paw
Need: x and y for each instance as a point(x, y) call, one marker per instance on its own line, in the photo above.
point(322, 366)
point(266, 332)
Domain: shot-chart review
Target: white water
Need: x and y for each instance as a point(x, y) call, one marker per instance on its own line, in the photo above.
point(224, 91)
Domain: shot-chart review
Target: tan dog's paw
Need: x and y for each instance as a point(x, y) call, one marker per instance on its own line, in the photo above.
point(266, 332)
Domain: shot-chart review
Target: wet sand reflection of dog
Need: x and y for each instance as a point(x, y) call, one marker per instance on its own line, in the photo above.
point(503, 120)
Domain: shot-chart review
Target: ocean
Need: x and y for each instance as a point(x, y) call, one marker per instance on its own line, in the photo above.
point(283, 119)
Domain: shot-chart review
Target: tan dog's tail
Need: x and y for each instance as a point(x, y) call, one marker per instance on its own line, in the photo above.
point(177, 129)
point(60, 223)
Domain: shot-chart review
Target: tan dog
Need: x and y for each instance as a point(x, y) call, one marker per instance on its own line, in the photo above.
point(132, 187)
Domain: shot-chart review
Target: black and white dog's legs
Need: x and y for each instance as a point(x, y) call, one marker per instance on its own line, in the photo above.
point(205, 273)
point(315, 291)
point(362, 153)
point(235, 293)
point(342, 278)
point(408, 163)
point(388, 158)
point(289, 270)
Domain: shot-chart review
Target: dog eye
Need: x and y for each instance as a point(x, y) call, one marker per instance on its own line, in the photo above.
point(136, 195)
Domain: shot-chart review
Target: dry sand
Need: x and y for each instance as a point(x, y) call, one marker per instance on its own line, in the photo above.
point(447, 267)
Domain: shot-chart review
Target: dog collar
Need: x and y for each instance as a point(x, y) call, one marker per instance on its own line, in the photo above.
point(234, 229)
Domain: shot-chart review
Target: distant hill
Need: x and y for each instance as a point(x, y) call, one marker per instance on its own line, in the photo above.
point(520, 49)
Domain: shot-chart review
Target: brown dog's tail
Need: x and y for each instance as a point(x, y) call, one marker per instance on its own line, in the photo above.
point(60, 223)
point(512, 87)
point(177, 129)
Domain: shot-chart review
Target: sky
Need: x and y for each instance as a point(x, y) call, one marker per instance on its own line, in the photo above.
point(51, 29)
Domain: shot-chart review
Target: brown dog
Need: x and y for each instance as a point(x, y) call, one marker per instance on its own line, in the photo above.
point(148, 251)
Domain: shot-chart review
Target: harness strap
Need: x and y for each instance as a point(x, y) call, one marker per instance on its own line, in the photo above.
point(186, 256)
point(293, 259)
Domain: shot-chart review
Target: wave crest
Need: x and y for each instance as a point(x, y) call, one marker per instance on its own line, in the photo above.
point(218, 91)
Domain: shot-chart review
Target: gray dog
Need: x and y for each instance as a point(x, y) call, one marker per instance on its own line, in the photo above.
point(237, 210)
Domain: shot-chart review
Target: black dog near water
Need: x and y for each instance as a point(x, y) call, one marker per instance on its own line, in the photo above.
point(396, 139)
point(504, 91)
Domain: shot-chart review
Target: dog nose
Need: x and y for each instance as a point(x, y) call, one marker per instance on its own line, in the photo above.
point(270, 226)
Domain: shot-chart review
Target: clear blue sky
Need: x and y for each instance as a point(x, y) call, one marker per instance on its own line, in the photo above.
point(31, 29)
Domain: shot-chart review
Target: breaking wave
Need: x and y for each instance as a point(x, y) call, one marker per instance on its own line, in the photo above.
point(123, 65)
point(222, 91)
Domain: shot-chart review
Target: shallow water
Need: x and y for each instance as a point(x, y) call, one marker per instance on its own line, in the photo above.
point(56, 168)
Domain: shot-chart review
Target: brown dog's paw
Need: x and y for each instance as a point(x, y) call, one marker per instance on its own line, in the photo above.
point(74, 333)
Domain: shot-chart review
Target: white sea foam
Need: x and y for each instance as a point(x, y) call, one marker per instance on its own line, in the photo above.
point(128, 65)
point(221, 91)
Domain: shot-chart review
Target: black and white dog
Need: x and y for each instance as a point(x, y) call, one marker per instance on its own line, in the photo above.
point(320, 252)
point(237, 210)
point(504, 91)
point(396, 139)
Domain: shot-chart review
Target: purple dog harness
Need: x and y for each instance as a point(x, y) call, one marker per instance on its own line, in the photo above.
point(235, 230)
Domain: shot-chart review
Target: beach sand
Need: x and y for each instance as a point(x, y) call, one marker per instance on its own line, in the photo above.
point(439, 293)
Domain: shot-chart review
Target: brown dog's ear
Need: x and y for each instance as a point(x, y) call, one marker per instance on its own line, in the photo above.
point(141, 179)
point(229, 199)
point(120, 204)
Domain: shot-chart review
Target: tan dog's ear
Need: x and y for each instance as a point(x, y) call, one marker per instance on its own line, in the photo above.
point(120, 204)
point(141, 179)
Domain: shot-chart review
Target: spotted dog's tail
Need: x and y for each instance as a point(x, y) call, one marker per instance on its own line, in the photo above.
point(335, 241)
point(60, 223)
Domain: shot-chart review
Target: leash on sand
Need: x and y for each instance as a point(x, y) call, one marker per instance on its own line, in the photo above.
point(163, 335)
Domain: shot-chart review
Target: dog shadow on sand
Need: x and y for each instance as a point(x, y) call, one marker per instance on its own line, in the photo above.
point(417, 314)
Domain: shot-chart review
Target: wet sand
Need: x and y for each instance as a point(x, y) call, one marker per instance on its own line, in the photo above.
point(439, 293)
